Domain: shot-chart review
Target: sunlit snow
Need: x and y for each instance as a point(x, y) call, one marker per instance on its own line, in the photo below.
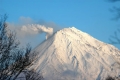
point(71, 54)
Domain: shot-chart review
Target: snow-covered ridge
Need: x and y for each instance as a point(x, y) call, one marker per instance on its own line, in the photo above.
point(71, 54)
point(79, 35)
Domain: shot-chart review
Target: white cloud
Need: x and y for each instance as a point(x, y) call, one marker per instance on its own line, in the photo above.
point(31, 31)
point(37, 29)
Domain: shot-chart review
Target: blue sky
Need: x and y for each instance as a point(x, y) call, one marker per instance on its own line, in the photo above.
point(91, 16)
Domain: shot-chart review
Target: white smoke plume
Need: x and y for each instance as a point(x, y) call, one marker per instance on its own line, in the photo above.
point(32, 31)
point(36, 29)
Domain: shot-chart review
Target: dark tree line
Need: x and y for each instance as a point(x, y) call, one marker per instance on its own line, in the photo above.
point(115, 39)
point(13, 59)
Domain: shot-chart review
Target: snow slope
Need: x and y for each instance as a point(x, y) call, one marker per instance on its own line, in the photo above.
point(71, 54)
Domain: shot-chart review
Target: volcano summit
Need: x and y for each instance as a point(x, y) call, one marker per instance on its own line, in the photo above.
point(70, 54)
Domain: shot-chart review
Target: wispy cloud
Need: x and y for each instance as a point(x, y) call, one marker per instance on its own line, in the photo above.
point(27, 29)
point(37, 29)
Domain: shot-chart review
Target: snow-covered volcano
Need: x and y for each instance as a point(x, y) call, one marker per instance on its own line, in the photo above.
point(71, 54)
